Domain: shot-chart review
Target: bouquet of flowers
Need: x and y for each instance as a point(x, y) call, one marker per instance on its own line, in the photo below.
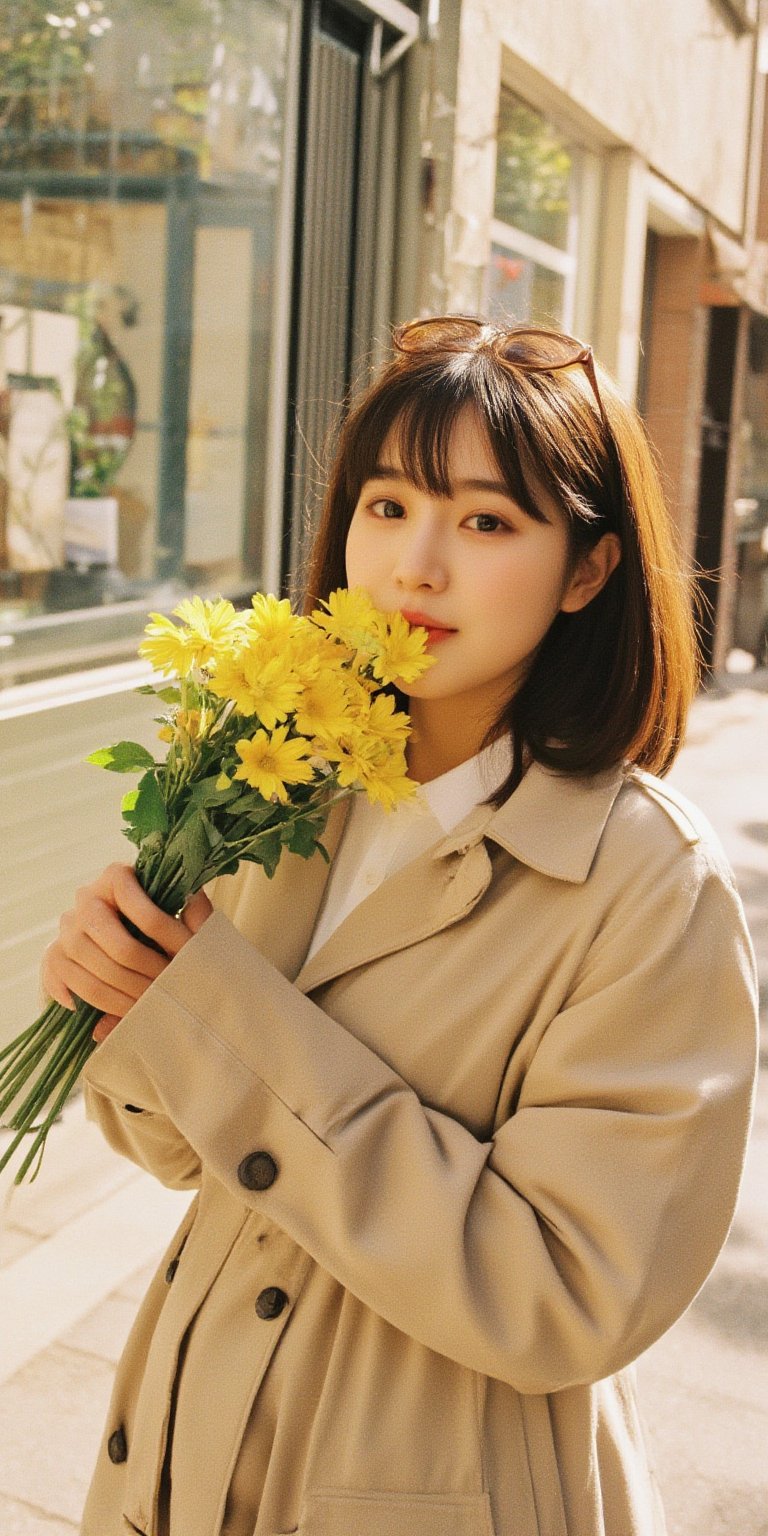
point(271, 718)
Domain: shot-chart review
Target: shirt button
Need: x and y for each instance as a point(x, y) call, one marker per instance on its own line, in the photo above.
point(270, 1303)
point(117, 1447)
point(372, 877)
point(257, 1171)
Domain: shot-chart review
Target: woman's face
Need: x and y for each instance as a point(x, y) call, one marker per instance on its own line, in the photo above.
point(489, 577)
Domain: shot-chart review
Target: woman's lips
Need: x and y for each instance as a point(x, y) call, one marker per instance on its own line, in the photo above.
point(435, 632)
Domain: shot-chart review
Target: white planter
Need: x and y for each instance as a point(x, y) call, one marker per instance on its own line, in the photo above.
point(38, 475)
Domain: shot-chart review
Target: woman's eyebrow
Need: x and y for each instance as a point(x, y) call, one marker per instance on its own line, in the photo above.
point(387, 472)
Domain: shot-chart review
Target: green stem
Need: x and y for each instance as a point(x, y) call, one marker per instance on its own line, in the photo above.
point(240, 848)
point(40, 1139)
point(46, 1082)
point(20, 1067)
point(19, 1041)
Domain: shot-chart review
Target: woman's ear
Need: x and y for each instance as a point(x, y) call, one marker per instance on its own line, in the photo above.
point(591, 573)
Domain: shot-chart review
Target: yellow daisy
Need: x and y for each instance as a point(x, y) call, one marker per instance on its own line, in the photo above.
point(390, 784)
point(274, 686)
point(269, 762)
point(212, 625)
point(386, 721)
point(401, 655)
point(322, 708)
point(228, 682)
point(168, 648)
point(271, 617)
point(351, 618)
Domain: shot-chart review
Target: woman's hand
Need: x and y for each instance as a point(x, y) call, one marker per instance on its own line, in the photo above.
point(97, 959)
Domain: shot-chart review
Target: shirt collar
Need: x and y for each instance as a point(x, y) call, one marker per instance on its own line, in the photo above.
point(553, 822)
point(453, 795)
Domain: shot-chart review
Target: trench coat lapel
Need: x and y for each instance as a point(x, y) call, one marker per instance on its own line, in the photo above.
point(426, 895)
point(552, 822)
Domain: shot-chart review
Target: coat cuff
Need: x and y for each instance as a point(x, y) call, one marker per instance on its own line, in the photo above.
point(238, 1057)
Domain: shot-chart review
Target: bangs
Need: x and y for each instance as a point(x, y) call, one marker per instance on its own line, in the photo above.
point(419, 412)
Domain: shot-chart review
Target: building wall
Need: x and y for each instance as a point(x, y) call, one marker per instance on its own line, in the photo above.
point(673, 81)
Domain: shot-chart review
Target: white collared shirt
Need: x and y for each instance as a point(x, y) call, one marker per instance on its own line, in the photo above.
point(376, 843)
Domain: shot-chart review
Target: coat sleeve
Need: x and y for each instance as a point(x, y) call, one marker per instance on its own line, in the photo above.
point(551, 1254)
point(152, 1141)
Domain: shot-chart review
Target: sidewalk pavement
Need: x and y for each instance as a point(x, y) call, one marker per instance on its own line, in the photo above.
point(78, 1247)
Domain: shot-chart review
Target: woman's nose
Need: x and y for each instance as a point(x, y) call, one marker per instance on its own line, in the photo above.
point(422, 563)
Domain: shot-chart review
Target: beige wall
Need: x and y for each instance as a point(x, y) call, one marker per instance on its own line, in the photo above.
point(671, 80)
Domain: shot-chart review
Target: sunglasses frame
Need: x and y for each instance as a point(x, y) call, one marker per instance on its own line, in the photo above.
point(430, 326)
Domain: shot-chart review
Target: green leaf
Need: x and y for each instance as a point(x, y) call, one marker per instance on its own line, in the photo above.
point(301, 836)
point(144, 809)
point(205, 794)
point(267, 852)
point(125, 757)
point(192, 841)
point(168, 695)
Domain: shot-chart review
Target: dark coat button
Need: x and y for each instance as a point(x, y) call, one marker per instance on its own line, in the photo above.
point(270, 1303)
point(257, 1171)
point(117, 1446)
point(171, 1270)
point(133, 1109)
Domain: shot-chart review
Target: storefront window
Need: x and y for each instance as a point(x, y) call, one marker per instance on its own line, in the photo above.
point(141, 159)
point(751, 617)
point(538, 225)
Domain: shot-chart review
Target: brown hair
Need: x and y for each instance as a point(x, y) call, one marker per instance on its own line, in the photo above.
point(613, 681)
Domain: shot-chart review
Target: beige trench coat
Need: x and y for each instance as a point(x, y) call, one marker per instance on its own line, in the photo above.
point(456, 1172)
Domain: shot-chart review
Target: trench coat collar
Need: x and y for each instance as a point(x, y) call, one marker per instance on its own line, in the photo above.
point(552, 823)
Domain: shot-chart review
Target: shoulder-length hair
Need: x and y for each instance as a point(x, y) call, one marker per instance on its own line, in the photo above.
point(614, 681)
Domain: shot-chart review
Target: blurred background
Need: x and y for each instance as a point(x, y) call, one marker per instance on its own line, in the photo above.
point(211, 214)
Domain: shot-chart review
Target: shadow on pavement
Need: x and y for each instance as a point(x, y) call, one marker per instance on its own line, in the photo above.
point(737, 1511)
point(735, 1305)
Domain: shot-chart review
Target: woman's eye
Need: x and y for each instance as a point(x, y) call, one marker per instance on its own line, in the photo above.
point(385, 507)
point(488, 522)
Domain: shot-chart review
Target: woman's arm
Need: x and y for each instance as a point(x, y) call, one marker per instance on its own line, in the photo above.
point(96, 958)
point(549, 1255)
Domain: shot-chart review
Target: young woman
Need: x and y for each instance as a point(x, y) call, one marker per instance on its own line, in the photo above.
point(467, 1114)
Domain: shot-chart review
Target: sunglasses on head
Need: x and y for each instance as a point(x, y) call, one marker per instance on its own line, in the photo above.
point(531, 349)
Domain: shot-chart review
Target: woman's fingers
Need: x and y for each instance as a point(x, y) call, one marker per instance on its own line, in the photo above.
point(119, 887)
point(61, 972)
point(105, 1027)
point(96, 958)
point(97, 927)
point(197, 909)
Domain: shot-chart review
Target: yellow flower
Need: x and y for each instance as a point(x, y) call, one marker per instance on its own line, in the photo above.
point(212, 625)
point(389, 783)
point(269, 762)
point(168, 648)
point(190, 722)
point(351, 618)
point(274, 686)
point(312, 651)
point(386, 721)
point(271, 617)
point(208, 627)
point(322, 708)
point(228, 682)
point(401, 655)
point(375, 766)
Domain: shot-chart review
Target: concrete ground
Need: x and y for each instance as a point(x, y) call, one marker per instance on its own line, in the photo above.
point(77, 1248)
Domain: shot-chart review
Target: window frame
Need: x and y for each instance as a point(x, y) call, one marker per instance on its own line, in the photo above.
point(578, 262)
